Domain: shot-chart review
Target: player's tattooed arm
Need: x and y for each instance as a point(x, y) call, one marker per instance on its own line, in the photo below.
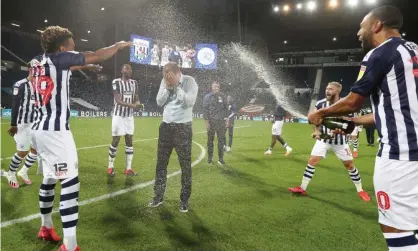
point(88, 67)
point(365, 120)
point(105, 53)
point(352, 103)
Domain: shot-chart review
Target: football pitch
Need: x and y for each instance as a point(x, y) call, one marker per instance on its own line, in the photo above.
point(243, 205)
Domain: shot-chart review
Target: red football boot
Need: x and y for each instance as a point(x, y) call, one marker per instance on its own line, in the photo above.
point(48, 234)
point(297, 190)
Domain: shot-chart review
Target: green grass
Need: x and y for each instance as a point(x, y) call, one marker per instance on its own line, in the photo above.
point(242, 206)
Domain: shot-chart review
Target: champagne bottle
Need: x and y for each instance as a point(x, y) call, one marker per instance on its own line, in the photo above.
point(324, 136)
point(338, 123)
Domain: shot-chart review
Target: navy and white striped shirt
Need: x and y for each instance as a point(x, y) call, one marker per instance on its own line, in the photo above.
point(51, 82)
point(389, 75)
point(128, 90)
point(23, 103)
point(337, 139)
point(279, 113)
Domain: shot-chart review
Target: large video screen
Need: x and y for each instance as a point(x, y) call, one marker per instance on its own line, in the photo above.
point(158, 52)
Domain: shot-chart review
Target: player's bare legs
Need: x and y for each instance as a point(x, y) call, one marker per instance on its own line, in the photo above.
point(400, 239)
point(129, 150)
point(307, 175)
point(29, 161)
point(15, 163)
point(112, 155)
point(354, 139)
point(355, 177)
point(274, 139)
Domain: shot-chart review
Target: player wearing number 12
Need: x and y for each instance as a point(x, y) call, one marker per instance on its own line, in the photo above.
point(51, 136)
point(337, 143)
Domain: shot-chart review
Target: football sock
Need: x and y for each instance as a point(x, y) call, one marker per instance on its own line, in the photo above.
point(69, 210)
point(129, 150)
point(112, 155)
point(355, 177)
point(46, 201)
point(307, 176)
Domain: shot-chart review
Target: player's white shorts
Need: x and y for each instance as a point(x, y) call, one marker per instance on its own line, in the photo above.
point(277, 128)
point(343, 152)
point(396, 188)
point(57, 153)
point(23, 137)
point(122, 126)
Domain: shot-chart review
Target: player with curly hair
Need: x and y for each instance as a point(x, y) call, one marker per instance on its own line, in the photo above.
point(51, 135)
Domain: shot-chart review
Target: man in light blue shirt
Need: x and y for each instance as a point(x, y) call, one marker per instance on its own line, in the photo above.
point(177, 95)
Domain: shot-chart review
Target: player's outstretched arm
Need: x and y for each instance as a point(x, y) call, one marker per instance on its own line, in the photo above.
point(352, 103)
point(105, 53)
point(87, 67)
point(364, 120)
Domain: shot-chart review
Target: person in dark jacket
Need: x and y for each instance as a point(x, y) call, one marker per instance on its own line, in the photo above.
point(215, 114)
point(369, 129)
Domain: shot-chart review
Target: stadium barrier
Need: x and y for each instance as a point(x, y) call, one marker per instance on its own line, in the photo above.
point(6, 113)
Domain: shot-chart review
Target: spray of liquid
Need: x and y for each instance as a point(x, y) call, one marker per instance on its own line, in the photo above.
point(255, 65)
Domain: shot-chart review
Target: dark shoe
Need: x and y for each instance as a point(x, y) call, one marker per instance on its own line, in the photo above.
point(184, 208)
point(221, 162)
point(210, 160)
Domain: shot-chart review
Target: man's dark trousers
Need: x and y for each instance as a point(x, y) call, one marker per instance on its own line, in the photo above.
point(231, 131)
point(218, 127)
point(370, 134)
point(178, 136)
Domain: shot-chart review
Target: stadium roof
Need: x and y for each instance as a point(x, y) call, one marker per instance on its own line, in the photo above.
point(100, 21)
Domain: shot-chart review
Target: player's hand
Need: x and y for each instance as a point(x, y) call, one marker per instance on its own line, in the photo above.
point(135, 105)
point(169, 81)
point(338, 131)
point(315, 117)
point(227, 123)
point(123, 44)
point(12, 130)
point(95, 68)
point(316, 135)
point(207, 125)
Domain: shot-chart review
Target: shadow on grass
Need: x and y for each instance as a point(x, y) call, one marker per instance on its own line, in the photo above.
point(118, 221)
point(247, 159)
point(248, 180)
point(357, 211)
point(187, 230)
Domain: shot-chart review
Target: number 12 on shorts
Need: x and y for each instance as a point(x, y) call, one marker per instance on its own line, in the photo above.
point(61, 169)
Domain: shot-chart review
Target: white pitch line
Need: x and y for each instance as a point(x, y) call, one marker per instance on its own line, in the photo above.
point(109, 195)
point(117, 193)
point(138, 140)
